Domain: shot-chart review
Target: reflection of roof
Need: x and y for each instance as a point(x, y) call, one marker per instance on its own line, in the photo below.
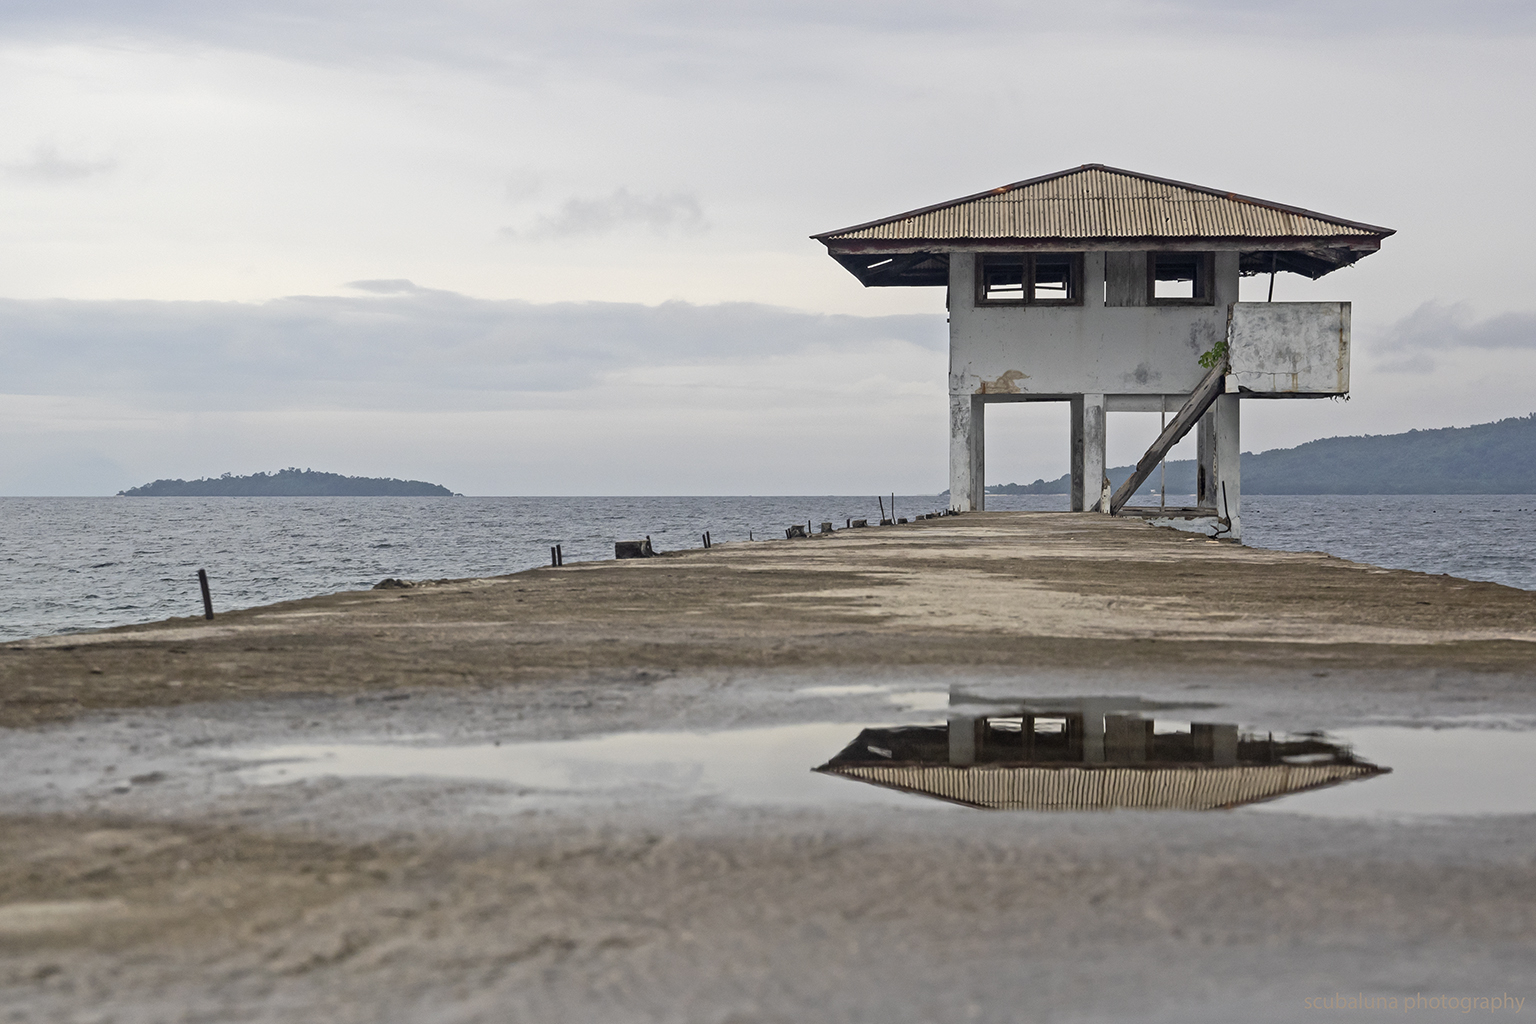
point(1103, 787)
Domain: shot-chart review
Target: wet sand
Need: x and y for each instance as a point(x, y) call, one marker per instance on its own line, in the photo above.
point(192, 894)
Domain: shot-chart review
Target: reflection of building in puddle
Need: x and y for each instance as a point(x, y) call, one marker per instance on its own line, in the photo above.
point(1091, 754)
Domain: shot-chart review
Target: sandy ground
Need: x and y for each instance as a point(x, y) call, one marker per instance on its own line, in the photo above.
point(144, 876)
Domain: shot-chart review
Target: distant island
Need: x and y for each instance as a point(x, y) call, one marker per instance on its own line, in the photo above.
point(1489, 458)
point(289, 483)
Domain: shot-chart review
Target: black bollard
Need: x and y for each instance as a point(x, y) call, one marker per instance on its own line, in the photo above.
point(202, 582)
point(559, 555)
point(553, 558)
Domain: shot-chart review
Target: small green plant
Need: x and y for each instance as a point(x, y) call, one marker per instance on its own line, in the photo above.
point(1215, 355)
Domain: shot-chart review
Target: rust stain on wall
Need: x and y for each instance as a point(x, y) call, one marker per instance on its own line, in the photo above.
point(1005, 384)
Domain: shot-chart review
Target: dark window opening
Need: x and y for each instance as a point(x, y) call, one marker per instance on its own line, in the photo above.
point(1179, 278)
point(1045, 279)
point(1002, 278)
point(1056, 278)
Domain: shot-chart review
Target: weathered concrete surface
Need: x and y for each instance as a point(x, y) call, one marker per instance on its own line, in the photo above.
point(996, 589)
point(187, 896)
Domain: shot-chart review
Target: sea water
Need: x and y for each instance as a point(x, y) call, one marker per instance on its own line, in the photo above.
point(83, 563)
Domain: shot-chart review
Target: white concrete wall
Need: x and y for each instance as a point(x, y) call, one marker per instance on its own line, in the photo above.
point(1092, 348)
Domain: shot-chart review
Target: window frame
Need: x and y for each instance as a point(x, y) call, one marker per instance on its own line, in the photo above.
point(1205, 281)
point(1027, 296)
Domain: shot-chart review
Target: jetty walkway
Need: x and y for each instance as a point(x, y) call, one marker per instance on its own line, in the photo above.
point(1005, 589)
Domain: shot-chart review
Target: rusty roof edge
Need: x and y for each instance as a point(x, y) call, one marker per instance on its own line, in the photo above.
point(1257, 243)
point(956, 202)
point(1372, 229)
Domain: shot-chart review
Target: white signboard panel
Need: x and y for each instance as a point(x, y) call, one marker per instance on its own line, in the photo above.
point(1290, 348)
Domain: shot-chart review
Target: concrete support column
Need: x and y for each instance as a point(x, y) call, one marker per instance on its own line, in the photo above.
point(967, 453)
point(1214, 743)
point(1093, 735)
point(1126, 739)
point(1218, 461)
point(962, 740)
point(1088, 453)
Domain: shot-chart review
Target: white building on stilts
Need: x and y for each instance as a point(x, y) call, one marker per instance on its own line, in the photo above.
point(1105, 288)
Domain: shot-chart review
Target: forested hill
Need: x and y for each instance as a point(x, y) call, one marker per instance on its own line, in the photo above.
point(289, 483)
point(1489, 458)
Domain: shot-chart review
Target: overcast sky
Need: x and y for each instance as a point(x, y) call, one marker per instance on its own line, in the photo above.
point(561, 248)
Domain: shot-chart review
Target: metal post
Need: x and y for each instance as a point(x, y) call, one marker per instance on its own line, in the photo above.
point(202, 582)
point(1162, 425)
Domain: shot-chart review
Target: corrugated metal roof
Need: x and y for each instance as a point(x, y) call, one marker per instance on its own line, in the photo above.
point(1036, 788)
point(1098, 202)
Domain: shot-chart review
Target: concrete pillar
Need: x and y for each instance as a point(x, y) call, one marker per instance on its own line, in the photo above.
point(967, 453)
point(1224, 744)
point(1218, 461)
point(1126, 739)
point(1093, 735)
point(1214, 742)
point(962, 740)
point(1219, 440)
point(1088, 453)
point(1228, 489)
point(1205, 459)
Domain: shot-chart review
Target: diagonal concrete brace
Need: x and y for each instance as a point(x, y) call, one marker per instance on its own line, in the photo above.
point(1205, 393)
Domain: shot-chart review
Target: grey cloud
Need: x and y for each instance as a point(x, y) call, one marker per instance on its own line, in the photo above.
point(1417, 362)
point(1437, 326)
point(417, 348)
point(48, 165)
point(388, 286)
point(623, 209)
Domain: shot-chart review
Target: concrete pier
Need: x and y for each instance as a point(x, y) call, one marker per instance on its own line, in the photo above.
point(1004, 589)
point(141, 870)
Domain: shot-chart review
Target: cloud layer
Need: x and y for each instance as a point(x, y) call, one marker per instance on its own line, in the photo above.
point(623, 209)
point(505, 397)
point(402, 343)
point(48, 165)
point(1441, 326)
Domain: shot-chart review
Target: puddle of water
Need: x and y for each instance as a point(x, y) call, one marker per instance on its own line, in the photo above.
point(769, 766)
point(1443, 771)
point(1058, 754)
point(853, 689)
point(921, 700)
point(905, 700)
